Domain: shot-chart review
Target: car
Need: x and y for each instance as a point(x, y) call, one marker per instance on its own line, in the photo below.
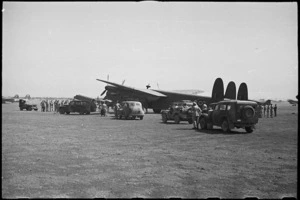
point(178, 113)
point(230, 114)
point(130, 110)
point(81, 107)
point(23, 105)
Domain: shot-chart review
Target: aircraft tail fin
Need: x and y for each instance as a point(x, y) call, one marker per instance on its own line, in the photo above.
point(243, 92)
point(218, 90)
point(230, 91)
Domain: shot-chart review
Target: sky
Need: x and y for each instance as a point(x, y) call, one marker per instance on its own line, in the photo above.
point(59, 49)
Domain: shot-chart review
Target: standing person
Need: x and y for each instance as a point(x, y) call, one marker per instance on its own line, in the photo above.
point(196, 113)
point(260, 111)
point(271, 111)
point(204, 108)
point(117, 106)
point(264, 107)
point(104, 109)
point(268, 110)
point(51, 105)
point(43, 106)
point(275, 110)
point(47, 105)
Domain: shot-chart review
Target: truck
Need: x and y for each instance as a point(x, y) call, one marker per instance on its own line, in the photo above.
point(229, 114)
point(81, 107)
point(27, 106)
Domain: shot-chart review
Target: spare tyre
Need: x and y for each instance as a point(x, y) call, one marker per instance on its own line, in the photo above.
point(248, 112)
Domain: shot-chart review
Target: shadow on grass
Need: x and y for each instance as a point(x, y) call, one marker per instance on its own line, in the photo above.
point(216, 131)
point(172, 123)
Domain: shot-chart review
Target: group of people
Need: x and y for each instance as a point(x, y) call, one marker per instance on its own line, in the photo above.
point(52, 105)
point(269, 110)
point(197, 110)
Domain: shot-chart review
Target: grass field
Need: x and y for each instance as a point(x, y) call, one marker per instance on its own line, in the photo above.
point(47, 155)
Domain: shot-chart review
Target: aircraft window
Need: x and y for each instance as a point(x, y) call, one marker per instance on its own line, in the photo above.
point(228, 107)
point(217, 107)
point(223, 107)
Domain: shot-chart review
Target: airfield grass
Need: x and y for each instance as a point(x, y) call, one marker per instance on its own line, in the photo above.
point(47, 155)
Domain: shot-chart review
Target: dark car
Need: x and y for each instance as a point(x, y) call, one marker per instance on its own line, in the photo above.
point(230, 114)
point(178, 111)
point(81, 107)
point(23, 105)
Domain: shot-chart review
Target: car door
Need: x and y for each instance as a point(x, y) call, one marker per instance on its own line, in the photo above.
point(215, 114)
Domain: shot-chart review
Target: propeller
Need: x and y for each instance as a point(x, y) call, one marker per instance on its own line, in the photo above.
point(103, 92)
point(123, 82)
point(105, 87)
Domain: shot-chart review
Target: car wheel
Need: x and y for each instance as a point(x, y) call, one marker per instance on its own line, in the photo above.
point(176, 119)
point(164, 118)
point(225, 126)
point(141, 117)
point(202, 123)
point(249, 129)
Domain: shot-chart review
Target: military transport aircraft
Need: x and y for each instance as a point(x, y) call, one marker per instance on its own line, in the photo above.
point(293, 102)
point(13, 99)
point(159, 99)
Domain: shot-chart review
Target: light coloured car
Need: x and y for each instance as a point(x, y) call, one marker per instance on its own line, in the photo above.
point(130, 110)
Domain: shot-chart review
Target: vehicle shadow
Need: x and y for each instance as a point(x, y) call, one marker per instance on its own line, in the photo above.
point(77, 114)
point(216, 131)
point(171, 122)
point(220, 131)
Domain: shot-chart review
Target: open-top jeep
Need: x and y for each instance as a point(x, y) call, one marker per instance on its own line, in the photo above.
point(231, 114)
point(82, 107)
point(27, 106)
point(178, 111)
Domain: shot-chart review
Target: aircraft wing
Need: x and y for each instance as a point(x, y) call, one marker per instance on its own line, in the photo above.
point(147, 93)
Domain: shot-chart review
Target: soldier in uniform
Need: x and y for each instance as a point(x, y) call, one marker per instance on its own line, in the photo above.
point(43, 106)
point(104, 109)
point(268, 110)
point(264, 107)
point(271, 111)
point(196, 113)
point(117, 106)
point(51, 105)
point(275, 110)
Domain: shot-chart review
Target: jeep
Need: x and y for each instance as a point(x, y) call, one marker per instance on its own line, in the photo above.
point(230, 114)
point(24, 105)
point(130, 109)
point(82, 107)
point(178, 112)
